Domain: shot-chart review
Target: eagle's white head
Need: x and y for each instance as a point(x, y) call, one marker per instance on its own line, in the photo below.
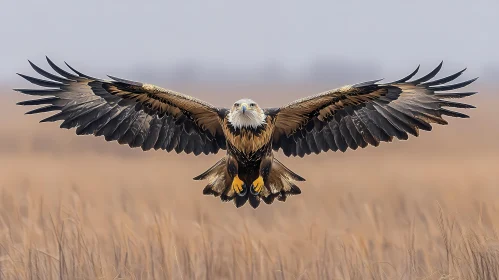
point(245, 113)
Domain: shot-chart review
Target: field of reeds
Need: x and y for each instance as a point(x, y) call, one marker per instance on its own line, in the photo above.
point(77, 207)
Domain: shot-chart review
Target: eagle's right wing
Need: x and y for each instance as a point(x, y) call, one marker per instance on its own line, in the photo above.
point(133, 113)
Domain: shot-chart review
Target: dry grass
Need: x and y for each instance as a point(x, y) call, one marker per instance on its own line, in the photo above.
point(80, 208)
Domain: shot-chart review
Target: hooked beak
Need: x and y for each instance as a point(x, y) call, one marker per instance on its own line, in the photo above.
point(244, 107)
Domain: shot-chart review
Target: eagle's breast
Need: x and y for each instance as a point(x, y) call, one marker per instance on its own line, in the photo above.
point(248, 140)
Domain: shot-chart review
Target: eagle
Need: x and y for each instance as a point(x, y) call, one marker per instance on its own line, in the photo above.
point(150, 117)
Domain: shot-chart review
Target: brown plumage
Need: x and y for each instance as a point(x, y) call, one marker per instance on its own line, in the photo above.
point(147, 116)
point(247, 140)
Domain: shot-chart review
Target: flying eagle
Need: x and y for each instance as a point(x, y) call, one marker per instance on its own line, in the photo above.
point(150, 117)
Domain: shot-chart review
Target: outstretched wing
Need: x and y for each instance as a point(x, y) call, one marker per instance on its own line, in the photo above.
point(366, 113)
point(133, 113)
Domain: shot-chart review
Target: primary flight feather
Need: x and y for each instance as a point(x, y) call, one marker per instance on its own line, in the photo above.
point(150, 117)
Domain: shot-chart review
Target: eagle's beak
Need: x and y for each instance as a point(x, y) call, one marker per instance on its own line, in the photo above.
point(244, 107)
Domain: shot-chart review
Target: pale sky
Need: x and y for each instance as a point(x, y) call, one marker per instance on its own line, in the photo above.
point(106, 37)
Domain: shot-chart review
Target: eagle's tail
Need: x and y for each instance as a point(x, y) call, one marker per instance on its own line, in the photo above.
point(279, 184)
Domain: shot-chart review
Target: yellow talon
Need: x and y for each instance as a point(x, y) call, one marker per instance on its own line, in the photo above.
point(237, 185)
point(257, 185)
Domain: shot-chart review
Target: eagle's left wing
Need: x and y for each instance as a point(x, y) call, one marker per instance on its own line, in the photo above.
point(133, 113)
point(366, 113)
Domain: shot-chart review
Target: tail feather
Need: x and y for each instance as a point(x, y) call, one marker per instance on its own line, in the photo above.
point(241, 200)
point(254, 200)
point(218, 179)
point(269, 199)
point(279, 184)
point(289, 173)
point(212, 171)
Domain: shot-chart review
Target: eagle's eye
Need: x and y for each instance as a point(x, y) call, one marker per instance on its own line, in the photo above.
point(236, 104)
point(252, 105)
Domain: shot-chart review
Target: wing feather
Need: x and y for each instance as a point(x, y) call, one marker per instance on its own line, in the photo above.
point(60, 71)
point(153, 133)
point(329, 138)
point(408, 77)
point(367, 113)
point(350, 133)
point(428, 76)
point(133, 113)
point(93, 120)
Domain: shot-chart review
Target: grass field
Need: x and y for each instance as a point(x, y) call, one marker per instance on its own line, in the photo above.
point(82, 208)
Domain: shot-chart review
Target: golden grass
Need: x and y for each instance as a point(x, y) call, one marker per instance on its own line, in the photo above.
point(81, 208)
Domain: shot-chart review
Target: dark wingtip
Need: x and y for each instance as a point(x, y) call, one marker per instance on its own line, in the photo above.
point(24, 103)
point(48, 60)
point(406, 78)
point(59, 70)
point(471, 80)
point(120, 80)
point(40, 82)
point(368, 83)
point(79, 73)
point(453, 113)
point(49, 100)
point(34, 66)
point(462, 71)
point(453, 86)
point(48, 108)
point(28, 78)
point(430, 75)
point(72, 69)
point(444, 80)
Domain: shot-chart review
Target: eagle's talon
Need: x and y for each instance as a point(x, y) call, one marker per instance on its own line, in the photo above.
point(257, 186)
point(244, 191)
point(238, 186)
point(253, 191)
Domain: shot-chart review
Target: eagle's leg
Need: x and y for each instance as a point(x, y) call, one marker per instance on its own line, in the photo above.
point(259, 183)
point(238, 185)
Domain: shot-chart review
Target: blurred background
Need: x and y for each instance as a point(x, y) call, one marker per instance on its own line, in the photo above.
point(227, 42)
point(78, 206)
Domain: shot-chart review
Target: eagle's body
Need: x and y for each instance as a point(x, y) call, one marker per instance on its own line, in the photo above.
point(147, 116)
point(250, 156)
